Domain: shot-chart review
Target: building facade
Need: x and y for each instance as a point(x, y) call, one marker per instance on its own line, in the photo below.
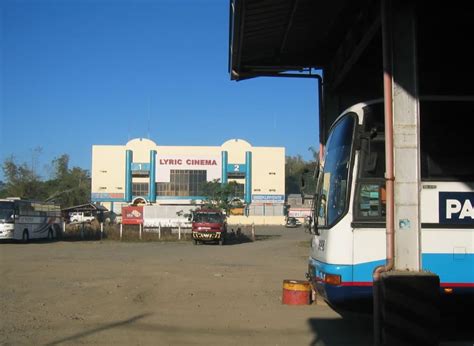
point(143, 172)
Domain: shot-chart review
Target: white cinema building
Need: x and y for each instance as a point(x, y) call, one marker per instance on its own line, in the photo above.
point(143, 172)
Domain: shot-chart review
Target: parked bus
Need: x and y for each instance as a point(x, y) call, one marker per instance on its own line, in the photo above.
point(25, 220)
point(350, 201)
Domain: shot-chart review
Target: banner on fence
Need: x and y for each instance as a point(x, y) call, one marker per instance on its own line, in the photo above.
point(132, 215)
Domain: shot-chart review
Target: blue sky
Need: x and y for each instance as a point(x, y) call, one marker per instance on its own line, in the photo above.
point(75, 73)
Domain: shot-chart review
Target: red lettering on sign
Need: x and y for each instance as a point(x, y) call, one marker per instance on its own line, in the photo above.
point(189, 162)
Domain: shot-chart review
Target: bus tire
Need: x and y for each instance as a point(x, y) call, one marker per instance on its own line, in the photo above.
point(26, 236)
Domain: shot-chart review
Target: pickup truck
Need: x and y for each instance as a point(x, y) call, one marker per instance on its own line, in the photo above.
point(79, 217)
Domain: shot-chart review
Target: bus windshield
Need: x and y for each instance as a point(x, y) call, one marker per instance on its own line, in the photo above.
point(6, 212)
point(333, 196)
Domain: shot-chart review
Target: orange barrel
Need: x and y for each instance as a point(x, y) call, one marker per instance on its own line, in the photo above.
point(296, 292)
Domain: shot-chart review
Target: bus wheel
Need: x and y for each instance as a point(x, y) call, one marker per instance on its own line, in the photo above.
point(26, 236)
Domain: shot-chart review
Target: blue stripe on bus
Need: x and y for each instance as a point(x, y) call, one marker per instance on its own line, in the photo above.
point(451, 268)
point(356, 280)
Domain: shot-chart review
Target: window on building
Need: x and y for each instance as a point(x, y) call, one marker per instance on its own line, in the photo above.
point(139, 189)
point(239, 190)
point(183, 183)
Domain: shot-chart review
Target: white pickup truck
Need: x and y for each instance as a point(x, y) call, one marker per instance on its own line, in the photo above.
point(79, 217)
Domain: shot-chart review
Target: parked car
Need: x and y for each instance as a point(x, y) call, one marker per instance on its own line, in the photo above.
point(292, 222)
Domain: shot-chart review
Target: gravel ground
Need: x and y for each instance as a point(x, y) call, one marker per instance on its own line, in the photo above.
point(166, 293)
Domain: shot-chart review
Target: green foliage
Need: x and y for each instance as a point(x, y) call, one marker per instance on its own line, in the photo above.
point(67, 187)
point(21, 181)
point(220, 196)
point(296, 169)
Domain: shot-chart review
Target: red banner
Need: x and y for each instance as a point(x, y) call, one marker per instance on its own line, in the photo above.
point(132, 215)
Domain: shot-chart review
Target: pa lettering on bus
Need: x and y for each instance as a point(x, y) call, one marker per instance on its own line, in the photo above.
point(459, 209)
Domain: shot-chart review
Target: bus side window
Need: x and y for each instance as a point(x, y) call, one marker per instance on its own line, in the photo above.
point(371, 201)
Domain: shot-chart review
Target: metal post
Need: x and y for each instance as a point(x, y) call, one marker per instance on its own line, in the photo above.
point(101, 230)
point(121, 228)
point(159, 231)
point(179, 231)
point(82, 231)
point(140, 231)
point(253, 231)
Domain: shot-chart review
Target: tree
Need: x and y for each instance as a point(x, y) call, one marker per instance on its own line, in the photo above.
point(297, 169)
point(294, 167)
point(21, 181)
point(220, 196)
point(67, 187)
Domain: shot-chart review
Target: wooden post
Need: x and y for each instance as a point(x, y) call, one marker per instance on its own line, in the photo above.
point(121, 228)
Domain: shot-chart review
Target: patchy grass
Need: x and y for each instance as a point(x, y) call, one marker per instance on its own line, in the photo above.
point(130, 233)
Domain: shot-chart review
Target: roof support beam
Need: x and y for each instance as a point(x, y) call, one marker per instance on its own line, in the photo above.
point(357, 39)
point(289, 24)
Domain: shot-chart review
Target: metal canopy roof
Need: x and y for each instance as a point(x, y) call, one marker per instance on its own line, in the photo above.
point(86, 207)
point(274, 36)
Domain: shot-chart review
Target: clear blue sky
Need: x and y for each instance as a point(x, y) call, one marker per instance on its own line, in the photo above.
point(82, 72)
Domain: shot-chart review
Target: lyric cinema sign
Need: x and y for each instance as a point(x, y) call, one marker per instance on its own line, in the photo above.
point(187, 162)
point(211, 163)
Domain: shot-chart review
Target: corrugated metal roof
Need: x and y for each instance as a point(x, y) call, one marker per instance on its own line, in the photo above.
point(285, 35)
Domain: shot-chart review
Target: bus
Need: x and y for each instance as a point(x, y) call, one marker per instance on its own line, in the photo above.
point(349, 237)
point(25, 220)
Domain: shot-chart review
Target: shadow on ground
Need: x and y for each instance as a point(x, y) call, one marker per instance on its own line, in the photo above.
point(356, 326)
point(351, 329)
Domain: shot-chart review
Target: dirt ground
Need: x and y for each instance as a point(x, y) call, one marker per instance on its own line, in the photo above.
point(166, 293)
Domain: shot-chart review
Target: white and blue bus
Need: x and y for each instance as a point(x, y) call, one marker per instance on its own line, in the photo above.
point(25, 220)
point(350, 201)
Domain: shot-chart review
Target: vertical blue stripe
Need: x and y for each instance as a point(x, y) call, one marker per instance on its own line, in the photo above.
point(152, 184)
point(248, 177)
point(224, 167)
point(128, 175)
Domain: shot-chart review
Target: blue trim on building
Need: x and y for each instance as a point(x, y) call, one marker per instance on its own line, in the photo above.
point(248, 177)
point(224, 156)
point(108, 200)
point(140, 167)
point(128, 175)
point(236, 167)
point(152, 183)
point(180, 197)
